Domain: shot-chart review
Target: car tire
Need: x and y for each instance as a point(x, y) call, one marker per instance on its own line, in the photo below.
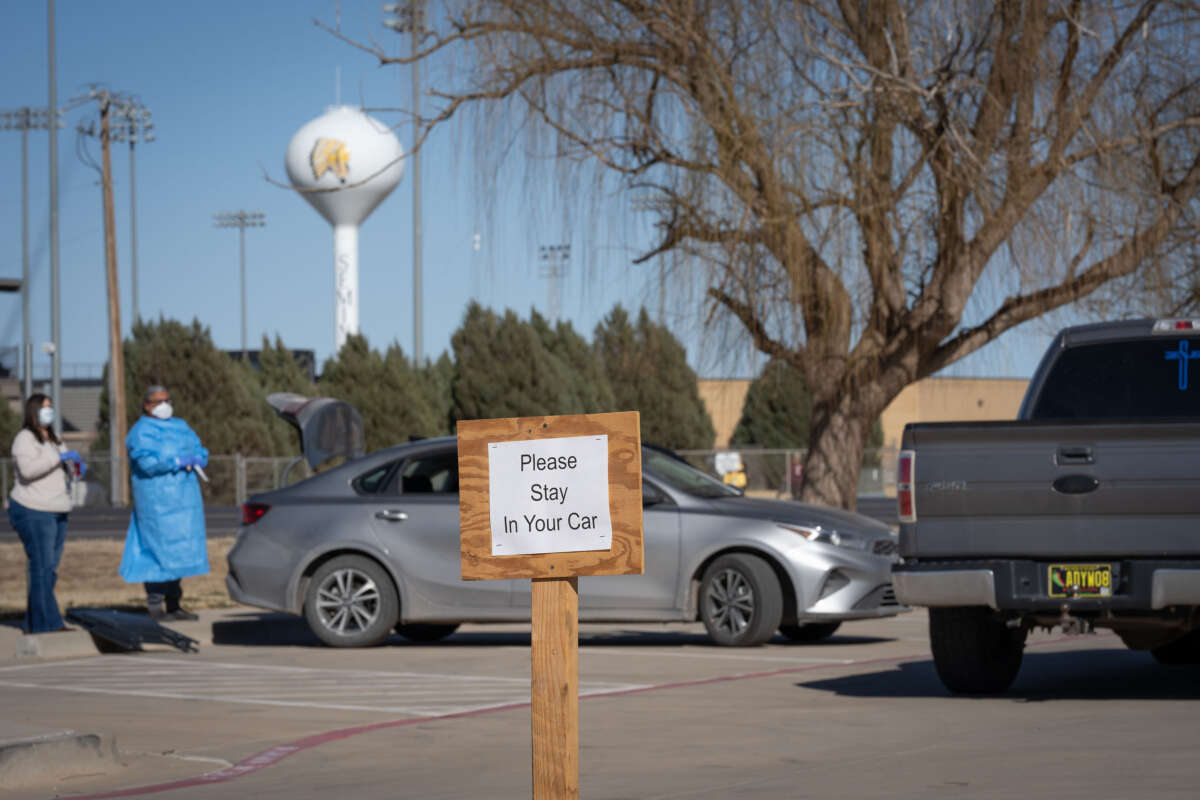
point(810, 632)
point(351, 602)
point(740, 600)
point(1184, 650)
point(973, 650)
point(425, 632)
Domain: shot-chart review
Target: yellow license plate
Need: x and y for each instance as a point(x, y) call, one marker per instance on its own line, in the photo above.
point(1081, 580)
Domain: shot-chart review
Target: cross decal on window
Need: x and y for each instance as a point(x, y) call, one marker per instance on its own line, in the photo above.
point(1183, 355)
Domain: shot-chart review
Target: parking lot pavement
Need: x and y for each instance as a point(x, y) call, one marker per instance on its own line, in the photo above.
point(262, 711)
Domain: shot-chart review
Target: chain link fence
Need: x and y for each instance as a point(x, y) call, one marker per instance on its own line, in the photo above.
point(779, 473)
point(233, 478)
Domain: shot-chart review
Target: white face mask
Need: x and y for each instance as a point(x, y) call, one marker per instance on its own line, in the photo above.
point(45, 417)
point(163, 411)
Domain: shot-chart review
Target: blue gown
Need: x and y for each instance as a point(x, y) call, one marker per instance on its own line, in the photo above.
point(166, 537)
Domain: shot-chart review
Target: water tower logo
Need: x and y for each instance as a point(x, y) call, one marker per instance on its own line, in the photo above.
point(330, 154)
point(318, 164)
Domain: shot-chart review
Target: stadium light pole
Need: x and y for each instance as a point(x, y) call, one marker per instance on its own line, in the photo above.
point(410, 18)
point(55, 316)
point(241, 220)
point(24, 120)
point(554, 260)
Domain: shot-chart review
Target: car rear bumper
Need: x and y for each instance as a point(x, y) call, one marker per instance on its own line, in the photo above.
point(1022, 584)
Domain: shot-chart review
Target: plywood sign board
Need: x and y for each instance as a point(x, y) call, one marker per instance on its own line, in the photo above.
point(550, 497)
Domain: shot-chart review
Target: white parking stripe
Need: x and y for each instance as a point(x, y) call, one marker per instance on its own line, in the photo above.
point(411, 693)
point(710, 655)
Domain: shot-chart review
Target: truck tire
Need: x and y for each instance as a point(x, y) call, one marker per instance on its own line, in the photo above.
point(1184, 650)
point(973, 651)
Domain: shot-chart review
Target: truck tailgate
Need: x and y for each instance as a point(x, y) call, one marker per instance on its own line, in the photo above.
point(1035, 489)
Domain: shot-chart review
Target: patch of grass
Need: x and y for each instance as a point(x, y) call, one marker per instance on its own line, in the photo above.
point(87, 576)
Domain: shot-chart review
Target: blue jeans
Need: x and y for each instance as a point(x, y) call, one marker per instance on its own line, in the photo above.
point(43, 534)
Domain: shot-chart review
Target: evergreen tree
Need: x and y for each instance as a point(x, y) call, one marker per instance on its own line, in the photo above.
point(589, 385)
point(385, 389)
point(776, 415)
point(279, 372)
point(220, 398)
point(648, 371)
point(436, 378)
point(10, 423)
point(776, 411)
point(503, 368)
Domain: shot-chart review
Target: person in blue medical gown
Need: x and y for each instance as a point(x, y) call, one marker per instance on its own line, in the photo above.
point(166, 540)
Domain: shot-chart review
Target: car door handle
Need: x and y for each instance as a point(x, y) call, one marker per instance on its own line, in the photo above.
point(1076, 454)
point(391, 515)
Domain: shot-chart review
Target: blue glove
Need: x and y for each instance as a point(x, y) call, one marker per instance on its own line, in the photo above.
point(69, 455)
point(184, 462)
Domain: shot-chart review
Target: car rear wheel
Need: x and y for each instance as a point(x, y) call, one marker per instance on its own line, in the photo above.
point(424, 632)
point(740, 600)
point(810, 632)
point(973, 650)
point(351, 602)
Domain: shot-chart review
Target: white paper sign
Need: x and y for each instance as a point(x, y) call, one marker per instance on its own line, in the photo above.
point(549, 495)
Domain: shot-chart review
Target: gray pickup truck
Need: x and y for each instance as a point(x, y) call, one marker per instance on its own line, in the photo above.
point(1084, 513)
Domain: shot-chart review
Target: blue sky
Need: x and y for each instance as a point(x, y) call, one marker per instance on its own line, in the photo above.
point(228, 84)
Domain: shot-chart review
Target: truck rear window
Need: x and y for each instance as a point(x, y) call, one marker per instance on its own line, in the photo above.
point(1152, 378)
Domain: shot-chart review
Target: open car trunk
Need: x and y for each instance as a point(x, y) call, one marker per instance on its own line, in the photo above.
point(328, 428)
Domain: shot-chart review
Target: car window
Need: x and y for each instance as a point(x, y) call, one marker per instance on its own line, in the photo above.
point(1146, 379)
point(679, 475)
point(428, 473)
point(373, 482)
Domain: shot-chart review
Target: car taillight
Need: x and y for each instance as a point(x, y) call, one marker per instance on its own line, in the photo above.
point(253, 512)
point(906, 473)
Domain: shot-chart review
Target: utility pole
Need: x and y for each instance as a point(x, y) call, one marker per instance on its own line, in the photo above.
point(411, 19)
point(132, 121)
point(554, 260)
point(24, 120)
point(110, 103)
point(241, 220)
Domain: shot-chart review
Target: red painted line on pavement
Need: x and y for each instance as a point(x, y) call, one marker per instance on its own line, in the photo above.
point(274, 755)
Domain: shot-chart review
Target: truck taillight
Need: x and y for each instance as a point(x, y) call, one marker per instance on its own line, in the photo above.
point(253, 512)
point(906, 473)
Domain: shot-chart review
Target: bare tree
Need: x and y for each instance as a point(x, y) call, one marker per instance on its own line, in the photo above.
point(875, 188)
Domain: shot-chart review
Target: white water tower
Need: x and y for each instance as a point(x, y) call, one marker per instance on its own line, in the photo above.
point(345, 163)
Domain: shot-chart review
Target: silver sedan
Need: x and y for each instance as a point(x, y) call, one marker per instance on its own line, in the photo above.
point(373, 545)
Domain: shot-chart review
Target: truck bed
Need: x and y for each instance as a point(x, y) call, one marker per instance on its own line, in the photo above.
point(1054, 490)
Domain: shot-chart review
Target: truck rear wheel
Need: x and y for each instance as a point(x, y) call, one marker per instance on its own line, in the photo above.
point(1184, 650)
point(973, 650)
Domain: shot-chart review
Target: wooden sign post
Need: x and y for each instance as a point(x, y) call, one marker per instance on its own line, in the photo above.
point(552, 498)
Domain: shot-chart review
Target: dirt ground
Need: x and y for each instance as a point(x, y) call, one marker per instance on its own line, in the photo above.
point(87, 576)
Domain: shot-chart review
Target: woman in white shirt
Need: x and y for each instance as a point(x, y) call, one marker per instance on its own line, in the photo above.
point(38, 507)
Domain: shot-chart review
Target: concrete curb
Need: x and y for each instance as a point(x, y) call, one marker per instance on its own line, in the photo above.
point(44, 759)
point(61, 644)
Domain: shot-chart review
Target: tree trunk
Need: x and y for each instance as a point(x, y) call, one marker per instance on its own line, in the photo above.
point(835, 454)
